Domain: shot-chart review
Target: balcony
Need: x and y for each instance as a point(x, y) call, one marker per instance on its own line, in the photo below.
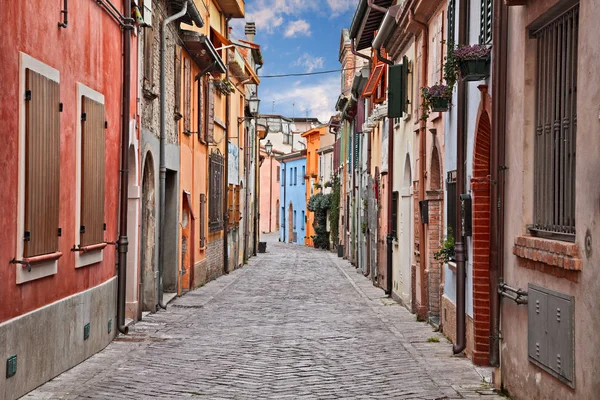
point(236, 62)
point(232, 8)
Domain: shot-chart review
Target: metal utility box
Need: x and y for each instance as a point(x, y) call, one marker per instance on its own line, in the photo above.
point(424, 211)
point(551, 332)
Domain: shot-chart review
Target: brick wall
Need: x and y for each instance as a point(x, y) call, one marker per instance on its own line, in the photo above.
point(214, 259)
point(435, 237)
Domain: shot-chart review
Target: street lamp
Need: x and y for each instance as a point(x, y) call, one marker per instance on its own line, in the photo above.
point(253, 103)
point(269, 147)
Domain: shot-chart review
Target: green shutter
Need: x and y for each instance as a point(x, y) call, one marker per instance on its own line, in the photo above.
point(397, 90)
point(451, 22)
point(485, 22)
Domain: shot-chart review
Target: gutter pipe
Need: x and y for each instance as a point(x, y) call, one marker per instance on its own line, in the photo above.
point(163, 168)
point(373, 6)
point(123, 243)
point(226, 172)
point(256, 175)
point(460, 249)
point(497, 164)
point(422, 163)
point(356, 53)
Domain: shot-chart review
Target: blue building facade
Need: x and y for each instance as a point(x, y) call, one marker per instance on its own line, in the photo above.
point(293, 198)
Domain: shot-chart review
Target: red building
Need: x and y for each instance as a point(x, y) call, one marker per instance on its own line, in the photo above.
point(62, 84)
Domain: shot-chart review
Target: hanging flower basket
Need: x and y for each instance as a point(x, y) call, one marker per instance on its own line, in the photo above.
point(473, 62)
point(437, 97)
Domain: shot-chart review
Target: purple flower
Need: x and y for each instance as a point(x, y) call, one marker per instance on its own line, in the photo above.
point(472, 52)
point(442, 91)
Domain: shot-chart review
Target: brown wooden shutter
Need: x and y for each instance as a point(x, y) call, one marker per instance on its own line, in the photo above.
point(92, 172)
point(178, 104)
point(187, 95)
point(238, 215)
point(230, 205)
point(210, 113)
point(200, 110)
point(202, 220)
point(149, 55)
point(42, 164)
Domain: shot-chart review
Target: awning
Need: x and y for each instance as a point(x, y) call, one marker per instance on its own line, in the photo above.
point(203, 51)
point(373, 81)
point(224, 41)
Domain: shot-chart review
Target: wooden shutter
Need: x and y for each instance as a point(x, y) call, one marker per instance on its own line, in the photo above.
point(42, 164)
point(396, 91)
point(187, 95)
point(230, 205)
point(210, 113)
point(200, 110)
point(149, 55)
point(92, 172)
point(177, 88)
point(202, 220)
point(238, 214)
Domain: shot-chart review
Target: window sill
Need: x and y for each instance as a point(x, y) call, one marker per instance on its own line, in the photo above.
point(452, 266)
point(555, 253)
point(89, 255)
point(41, 267)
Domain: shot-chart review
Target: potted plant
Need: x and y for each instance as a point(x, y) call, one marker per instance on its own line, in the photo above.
point(437, 97)
point(473, 61)
point(446, 252)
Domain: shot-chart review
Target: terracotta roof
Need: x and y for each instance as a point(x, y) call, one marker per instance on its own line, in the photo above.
point(373, 81)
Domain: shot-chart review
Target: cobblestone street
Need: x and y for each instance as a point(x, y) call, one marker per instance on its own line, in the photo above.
point(294, 323)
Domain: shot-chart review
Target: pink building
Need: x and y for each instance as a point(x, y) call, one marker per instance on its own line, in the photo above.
point(270, 178)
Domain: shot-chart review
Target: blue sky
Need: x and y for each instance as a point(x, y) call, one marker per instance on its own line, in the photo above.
point(298, 36)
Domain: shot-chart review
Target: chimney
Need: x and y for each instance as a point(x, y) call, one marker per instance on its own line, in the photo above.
point(250, 31)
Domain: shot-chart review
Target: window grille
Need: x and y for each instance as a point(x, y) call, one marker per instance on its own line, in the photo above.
point(215, 203)
point(395, 197)
point(451, 23)
point(451, 203)
point(556, 126)
point(202, 220)
point(485, 23)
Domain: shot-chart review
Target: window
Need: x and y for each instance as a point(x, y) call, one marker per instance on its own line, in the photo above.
point(295, 175)
point(178, 72)
point(199, 108)
point(303, 174)
point(187, 96)
point(485, 24)
point(303, 221)
point(283, 177)
point(294, 219)
point(278, 173)
point(291, 176)
point(93, 127)
point(451, 23)
point(41, 164)
point(395, 214)
point(202, 220)
point(149, 54)
point(215, 203)
point(555, 127)
point(210, 112)
point(451, 203)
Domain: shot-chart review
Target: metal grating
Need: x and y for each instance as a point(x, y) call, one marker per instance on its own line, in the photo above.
point(556, 126)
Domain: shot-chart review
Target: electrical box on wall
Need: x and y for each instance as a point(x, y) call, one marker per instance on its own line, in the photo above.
point(550, 332)
point(424, 210)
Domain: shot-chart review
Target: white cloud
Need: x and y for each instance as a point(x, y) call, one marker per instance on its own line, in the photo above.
point(317, 98)
point(309, 62)
point(341, 6)
point(297, 28)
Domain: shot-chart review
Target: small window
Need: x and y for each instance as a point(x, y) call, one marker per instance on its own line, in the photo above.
point(294, 219)
point(215, 203)
point(302, 221)
point(303, 175)
point(278, 173)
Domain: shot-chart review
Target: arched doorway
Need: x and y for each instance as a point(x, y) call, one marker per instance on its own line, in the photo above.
point(148, 242)
point(133, 230)
point(291, 224)
point(480, 185)
point(435, 234)
point(405, 235)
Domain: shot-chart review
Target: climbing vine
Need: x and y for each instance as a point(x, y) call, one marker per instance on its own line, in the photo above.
point(319, 204)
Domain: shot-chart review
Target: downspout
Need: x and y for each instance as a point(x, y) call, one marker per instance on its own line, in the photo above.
point(373, 6)
point(356, 53)
point(65, 14)
point(422, 144)
point(460, 251)
point(256, 175)
point(226, 171)
point(284, 174)
point(270, 190)
point(162, 163)
point(499, 67)
point(124, 183)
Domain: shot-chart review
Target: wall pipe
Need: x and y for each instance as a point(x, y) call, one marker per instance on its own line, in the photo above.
point(226, 169)
point(65, 14)
point(162, 165)
point(460, 250)
point(422, 156)
point(256, 175)
point(356, 53)
point(123, 243)
point(497, 164)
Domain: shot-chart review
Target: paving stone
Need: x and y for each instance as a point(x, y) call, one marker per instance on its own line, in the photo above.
point(294, 323)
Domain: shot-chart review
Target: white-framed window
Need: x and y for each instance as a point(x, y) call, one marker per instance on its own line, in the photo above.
point(90, 177)
point(38, 204)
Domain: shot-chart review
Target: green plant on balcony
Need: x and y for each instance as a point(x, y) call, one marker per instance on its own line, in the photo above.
point(472, 62)
point(224, 86)
point(435, 98)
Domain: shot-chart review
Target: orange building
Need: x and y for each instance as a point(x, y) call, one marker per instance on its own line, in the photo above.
point(313, 139)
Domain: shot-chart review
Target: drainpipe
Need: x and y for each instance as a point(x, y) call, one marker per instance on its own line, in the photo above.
point(499, 66)
point(270, 190)
point(226, 173)
point(373, 6)
point(460, 250)
point(422, 144)
point(284, 175)
point(256, 175)
point(356, 53)
point(65, 13)
point(124, 183)
point(162, 166)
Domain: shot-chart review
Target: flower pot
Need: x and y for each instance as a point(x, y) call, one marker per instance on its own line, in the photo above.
point(474, 70)
point(340, 250)
point(262, 247)
point(439, 104)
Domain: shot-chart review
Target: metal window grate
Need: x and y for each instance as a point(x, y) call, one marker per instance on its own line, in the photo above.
point(215, 203)
point(556, 126)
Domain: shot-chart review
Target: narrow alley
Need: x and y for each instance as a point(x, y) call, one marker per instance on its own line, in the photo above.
point(294, 323)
